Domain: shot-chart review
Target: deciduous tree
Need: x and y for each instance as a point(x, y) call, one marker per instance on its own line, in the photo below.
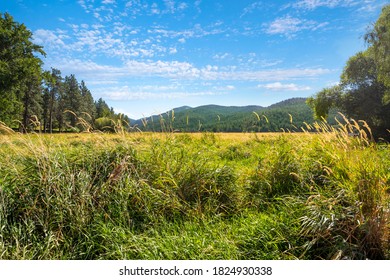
point(364, 89)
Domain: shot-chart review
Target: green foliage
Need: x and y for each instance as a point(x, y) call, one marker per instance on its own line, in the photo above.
point(53, 92)
point(363, 92)
point(379, 38)
point(277, 171)
point(324, 101)
point(105, 124)
point(19, 71)
point(87, 102)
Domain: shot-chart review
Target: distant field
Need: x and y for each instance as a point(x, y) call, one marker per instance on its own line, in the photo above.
point(194, 196)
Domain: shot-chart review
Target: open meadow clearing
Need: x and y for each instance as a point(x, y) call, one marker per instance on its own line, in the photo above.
point(193, 196)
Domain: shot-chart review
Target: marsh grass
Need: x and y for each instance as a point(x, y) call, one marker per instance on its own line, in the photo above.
point(320, 193)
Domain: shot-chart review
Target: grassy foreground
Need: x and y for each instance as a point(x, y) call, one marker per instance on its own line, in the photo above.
point(194, 196)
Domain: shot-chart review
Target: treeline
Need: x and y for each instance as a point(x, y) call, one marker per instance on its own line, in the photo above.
point(32, 98)
point(68, 104)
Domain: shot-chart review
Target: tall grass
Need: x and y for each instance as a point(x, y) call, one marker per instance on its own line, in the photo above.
point(322, 195)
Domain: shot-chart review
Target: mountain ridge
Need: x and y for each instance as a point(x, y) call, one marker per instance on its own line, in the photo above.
point(284, 115)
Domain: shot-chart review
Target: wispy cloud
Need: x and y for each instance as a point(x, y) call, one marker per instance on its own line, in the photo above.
point(314, 4)
point(176, 70)
point(362, 5)
point(251, 8)
point(108, 2)
point(223, 88)
point(283, 87)
point(369, 6)
point(50, 38)
point(129, 93)
point(197, 31)
point(197, 4)
point(119, 41)
point(289, 26)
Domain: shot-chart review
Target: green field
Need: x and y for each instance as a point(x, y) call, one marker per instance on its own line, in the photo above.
point(194, 196)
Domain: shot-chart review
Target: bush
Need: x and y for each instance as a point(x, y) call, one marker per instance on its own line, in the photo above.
point(105, 124)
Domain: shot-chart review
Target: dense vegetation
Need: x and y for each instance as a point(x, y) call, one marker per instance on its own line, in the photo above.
point(364, 89)
point(195, 196)
point(32, 98)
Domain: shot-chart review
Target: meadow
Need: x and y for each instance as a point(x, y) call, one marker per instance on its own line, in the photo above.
point(239, 196)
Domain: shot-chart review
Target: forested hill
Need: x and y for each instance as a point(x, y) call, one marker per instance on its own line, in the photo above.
point(288, 115)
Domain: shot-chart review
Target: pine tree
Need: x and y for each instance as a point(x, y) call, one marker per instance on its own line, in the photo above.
point(31, 96)
point(52, 92)
point(72, 100)
point(88, 105)
point(102, 109)
point(19, 70)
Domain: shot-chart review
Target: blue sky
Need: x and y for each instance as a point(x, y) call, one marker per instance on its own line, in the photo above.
point(147, 57)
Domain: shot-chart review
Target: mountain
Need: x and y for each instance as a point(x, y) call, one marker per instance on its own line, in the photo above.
point(181, 109)
point(288, 115)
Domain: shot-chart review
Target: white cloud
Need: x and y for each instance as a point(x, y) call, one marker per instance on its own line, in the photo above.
point(182, 6)
point(97, 39)
point(369, 6)
point(224, 88)
point(96, 15)
point(314, 4)
point(197, 4)
point(183, 71)
point(82, 4)
point(221, 56)
point(288, 26)
point(269, 63)
point(283, 87)
point(197, 31)
point(108, 2)
point(172, 50)
point(130, 93)
point(170, 6)
point(154, 9)
point(252, 7)
point(49, 38)
point(125, 112)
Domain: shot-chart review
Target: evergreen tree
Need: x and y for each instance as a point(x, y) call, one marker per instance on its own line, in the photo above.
point(72, 100)
point(31, 96)
point(88, 104)
point(51, 95)
point(19, 70)
point(102, 109)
